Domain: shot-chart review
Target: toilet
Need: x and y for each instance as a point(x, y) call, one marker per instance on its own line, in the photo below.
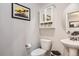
point(45, 48)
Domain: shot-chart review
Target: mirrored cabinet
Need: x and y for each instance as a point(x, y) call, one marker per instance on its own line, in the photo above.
point(47, 17)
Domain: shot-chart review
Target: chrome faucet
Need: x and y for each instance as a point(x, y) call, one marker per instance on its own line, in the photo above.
point(75, 36)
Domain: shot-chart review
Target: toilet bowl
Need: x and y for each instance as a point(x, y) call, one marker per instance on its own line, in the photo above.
point(38, 52)
point(45, 48)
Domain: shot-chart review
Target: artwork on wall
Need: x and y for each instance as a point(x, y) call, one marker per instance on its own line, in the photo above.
point(20, 12)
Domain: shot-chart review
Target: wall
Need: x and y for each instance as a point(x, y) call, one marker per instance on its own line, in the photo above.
point(59, 32)
point(15, 33)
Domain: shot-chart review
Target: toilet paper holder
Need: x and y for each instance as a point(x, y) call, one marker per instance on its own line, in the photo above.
point(28, 45)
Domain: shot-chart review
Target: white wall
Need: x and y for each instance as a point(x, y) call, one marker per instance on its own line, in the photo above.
point(15, 33)
point(59, 32)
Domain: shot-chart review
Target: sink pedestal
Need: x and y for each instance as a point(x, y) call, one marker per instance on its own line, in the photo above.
point(73, 46)
point(72, 52)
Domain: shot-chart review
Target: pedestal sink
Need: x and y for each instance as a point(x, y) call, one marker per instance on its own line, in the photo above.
point(72, 45)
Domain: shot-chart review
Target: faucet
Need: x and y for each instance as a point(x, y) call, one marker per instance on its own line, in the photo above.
point(75, 33)
point(74, 36)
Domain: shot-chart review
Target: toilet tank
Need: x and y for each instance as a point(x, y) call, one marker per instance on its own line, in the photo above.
point(46, 44)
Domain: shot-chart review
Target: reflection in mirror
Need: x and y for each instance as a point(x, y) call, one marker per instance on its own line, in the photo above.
point(74, 24)
point(48, 16)
point(73, 16)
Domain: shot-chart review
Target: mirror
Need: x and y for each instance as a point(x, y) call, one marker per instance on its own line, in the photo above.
point(73, 19)
point(48, 14)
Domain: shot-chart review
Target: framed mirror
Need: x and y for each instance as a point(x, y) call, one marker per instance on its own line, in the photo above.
point(73, 19)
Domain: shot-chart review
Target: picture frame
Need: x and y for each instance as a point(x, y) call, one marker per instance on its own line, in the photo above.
point(20, 12)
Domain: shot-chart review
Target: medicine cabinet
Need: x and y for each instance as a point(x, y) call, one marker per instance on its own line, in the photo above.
point(47, 17)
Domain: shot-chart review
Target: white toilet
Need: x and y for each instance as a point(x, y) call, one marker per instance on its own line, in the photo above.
point(45, 48)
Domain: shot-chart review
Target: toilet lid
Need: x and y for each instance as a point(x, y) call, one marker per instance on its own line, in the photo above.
point(38, 52)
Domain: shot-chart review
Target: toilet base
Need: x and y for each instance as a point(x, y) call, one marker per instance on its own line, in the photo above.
point(39, 52)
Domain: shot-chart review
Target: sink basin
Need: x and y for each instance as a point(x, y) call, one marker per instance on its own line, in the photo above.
point(72, 45)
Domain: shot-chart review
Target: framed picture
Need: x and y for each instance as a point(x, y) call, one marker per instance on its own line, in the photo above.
point(20, 12)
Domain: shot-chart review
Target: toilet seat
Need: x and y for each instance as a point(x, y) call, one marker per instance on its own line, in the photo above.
point(38, 52)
